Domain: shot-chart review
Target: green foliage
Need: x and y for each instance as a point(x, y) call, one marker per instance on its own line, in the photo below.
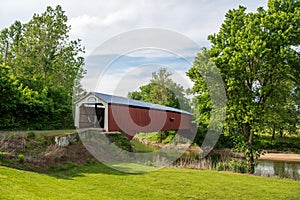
point(31, 134)
point(121, 141)
point(44, 64)
point(21, 158)
point(11, 136)
point(235, 165)
point(157, 137)
point(288, 143)
point(162, 90)
point(10, 95)
point(153, 136)
point(168, 139)
point(260, 68)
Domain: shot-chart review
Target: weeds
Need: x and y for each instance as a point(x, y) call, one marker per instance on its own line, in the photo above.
point(31, 134)
point(21, 158)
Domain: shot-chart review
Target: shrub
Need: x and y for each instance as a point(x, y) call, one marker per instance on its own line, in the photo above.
point(121, 141)
point(21, 158)
point(70, 165)
point(168, 139)
point(11, 136)
point(31, 134)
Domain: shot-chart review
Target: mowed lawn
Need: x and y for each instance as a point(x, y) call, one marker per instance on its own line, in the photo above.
point(101, 182)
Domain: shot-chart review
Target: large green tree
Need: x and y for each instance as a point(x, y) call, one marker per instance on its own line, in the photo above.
point(45, 64)
point(259, 64)
point(41, 53)
point(162, 90)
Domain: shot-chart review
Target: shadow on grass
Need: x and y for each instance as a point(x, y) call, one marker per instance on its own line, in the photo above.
point(71, 171)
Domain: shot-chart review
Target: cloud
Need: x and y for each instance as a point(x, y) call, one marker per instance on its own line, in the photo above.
point(123, 82)
point(129, 72)
point(96, 21)
point(84, 23)
point(130, 79)
point(195, 19)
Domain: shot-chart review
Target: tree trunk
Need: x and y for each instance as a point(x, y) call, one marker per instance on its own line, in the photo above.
point(160, 136)
point(281, 132)
point(251, 153)
point(273, 133)
point(249, 150)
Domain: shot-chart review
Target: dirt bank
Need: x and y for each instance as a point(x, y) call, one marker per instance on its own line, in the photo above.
point(288, 157)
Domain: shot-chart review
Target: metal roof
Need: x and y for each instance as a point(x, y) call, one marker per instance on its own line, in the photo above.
point(111, 99)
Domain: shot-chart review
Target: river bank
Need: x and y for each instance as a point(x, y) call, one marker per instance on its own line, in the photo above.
point(270, 155)
point(283, 157)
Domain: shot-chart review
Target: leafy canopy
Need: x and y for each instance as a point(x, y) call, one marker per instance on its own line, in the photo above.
point(259, 64)
point(162, 90)
point(43, 66)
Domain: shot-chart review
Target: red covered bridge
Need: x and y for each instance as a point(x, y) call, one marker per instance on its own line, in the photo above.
point(112, 113)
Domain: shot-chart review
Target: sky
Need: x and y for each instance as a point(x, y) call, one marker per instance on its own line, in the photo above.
point(96, 22)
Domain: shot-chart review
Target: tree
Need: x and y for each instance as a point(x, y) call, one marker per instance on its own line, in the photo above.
point(47, 65)
point(162, 90)
point(9, 95)
point(41, 52)
point(255, 55)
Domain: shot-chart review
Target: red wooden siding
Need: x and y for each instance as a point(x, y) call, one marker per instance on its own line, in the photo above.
point(132, 120)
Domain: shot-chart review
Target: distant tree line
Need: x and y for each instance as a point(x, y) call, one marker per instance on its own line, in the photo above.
point(38, 70)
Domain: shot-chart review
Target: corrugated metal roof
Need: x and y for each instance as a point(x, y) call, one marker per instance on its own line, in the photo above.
point(111, 99)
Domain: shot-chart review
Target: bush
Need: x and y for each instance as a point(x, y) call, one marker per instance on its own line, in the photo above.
point(21, 158)
point(11, 136)
point(31, 134)
point(168, 139)
point(121, 141)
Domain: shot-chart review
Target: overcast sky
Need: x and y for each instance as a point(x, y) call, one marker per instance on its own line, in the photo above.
point(96, 21)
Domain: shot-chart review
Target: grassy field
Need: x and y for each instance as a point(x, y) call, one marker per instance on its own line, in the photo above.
point(100, 182)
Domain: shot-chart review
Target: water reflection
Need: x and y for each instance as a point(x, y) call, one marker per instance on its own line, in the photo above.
point(279, 169)
point(263, 168)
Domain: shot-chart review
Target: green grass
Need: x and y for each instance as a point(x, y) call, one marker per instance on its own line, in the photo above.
point(101, 182)
point(55, 133)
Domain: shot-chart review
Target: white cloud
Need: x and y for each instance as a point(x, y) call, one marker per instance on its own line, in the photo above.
point(119, 16)
point(96, 21)
point(84, 23)
point(124, 81)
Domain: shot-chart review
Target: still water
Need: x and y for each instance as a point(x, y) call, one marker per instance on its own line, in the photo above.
point(263, 168)
point(279, 169)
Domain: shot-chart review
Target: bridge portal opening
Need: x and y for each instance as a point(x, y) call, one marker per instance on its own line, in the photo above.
point(92, 115)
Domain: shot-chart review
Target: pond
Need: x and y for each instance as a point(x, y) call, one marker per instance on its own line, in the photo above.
point(263, 168)
point(279, 169)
